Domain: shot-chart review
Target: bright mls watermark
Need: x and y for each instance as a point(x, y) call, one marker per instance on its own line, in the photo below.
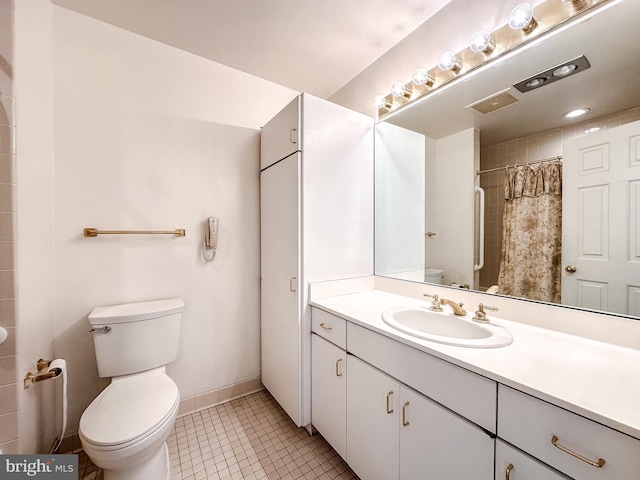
point(51, 467)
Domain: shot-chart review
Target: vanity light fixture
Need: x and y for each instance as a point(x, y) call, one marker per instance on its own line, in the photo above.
point(421, 77)
point(399, 90)
point(448, 61)
point(521, 18)
point(549, 13)
point(576, 113)
point(381, 102)
point(575, 3)
point(481, 42)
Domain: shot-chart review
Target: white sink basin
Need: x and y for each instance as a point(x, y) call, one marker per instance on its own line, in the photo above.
point(446, 328)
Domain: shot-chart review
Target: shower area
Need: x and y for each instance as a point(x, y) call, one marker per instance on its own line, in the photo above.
point(522, 180)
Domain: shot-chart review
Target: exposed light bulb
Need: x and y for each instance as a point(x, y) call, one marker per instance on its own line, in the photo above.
point(521, 18)
point(448, 61)
point(481, 42)
point(381, 102)
point(421, 77)
point(398, 90)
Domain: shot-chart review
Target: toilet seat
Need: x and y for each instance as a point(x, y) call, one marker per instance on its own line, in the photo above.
point(129, 410)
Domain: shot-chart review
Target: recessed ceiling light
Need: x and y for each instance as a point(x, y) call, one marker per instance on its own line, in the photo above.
point(592, 130)
point(564, 70)
point(553, 74)
point(535, 82)
point(576, 113)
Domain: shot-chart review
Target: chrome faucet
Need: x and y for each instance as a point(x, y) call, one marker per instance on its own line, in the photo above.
point(456, 307)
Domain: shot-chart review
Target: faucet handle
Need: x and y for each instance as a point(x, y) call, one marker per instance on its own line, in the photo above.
point(481, 315)
point(436, 306)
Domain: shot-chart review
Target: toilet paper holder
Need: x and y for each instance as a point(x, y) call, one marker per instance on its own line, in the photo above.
point(43, 373)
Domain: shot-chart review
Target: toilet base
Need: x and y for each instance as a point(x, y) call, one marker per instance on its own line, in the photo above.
point(155, 467)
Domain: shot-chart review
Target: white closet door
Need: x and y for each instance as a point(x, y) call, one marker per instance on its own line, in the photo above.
point(280, 328)
point(601, 220)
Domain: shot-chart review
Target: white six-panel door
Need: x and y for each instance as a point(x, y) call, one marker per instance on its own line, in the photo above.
point(601, 220)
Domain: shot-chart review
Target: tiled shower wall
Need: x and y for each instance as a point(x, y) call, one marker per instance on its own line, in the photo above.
point(526, 149)
point(8, 386)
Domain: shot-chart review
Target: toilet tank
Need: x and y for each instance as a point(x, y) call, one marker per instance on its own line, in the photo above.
point(139, 336)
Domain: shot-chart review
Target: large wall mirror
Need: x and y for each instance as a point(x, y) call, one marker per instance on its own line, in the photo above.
point(556, 217)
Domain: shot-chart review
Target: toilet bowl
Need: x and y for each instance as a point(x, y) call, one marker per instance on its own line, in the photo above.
point(433, 275)
point(124, 430)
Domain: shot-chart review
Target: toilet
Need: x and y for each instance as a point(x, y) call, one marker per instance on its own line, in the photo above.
point(124, 430)
point(433, 275)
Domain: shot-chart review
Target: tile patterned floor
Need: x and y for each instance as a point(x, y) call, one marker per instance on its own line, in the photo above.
point(249, 438)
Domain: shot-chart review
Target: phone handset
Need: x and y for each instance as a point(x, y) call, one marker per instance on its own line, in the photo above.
point(211, 227)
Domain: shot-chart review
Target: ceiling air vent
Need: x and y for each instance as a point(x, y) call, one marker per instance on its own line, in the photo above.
point(493, 103)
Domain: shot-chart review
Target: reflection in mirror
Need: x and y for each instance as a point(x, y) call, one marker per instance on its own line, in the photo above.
point(430, 157)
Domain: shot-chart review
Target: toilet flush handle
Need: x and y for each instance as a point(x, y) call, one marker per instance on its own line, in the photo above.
point(105, 329)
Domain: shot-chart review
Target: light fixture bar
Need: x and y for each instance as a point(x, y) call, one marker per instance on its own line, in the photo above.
point(550, 15)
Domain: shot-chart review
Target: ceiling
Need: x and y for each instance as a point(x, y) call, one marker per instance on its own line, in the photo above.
point(311, 46)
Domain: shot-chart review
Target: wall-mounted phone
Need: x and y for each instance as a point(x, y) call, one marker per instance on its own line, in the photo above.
point(211, 227)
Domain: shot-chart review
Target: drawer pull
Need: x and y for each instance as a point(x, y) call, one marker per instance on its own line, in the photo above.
point(404, 414)
point(598, 464)
point(507, 473)
point(338, 371)
point(325, 327)
point(389, 408)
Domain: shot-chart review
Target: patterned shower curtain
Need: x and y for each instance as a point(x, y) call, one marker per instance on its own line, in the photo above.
point(532, 232)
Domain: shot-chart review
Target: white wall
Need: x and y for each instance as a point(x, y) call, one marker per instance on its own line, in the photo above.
point(452, 249)
point(145, 136)
point(35, 220)
point(399, 183)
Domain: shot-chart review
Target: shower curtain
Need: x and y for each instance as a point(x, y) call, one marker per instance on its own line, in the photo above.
point(532, 232)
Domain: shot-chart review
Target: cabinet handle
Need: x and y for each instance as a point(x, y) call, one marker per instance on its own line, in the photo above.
point(404, 414)
point(389, 409)
point(598, 464)
point(325, 327)
point(338, 371)
point(507, 473)
point(292, 284)
point(293, 135)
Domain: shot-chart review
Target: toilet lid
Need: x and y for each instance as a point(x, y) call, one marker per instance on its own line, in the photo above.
point(129, 408)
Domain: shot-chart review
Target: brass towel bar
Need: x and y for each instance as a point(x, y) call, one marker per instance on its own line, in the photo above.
point(94, 232)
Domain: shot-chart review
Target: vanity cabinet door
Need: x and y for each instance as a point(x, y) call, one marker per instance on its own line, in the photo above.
point(329, 392)
point(513, 464)
point(436, 443)
point(372, 422)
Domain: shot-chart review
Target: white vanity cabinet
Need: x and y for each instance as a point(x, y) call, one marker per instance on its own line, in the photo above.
point(574, 445)
point(512, 464)
point(437, 443)
point(316, 214)
point(373, 422)
point(393, 432)
point(329, 379)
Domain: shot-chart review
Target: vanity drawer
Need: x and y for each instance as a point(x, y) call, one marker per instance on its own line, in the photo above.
point(531, 425)
point(470, 395)
point(330, 327)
